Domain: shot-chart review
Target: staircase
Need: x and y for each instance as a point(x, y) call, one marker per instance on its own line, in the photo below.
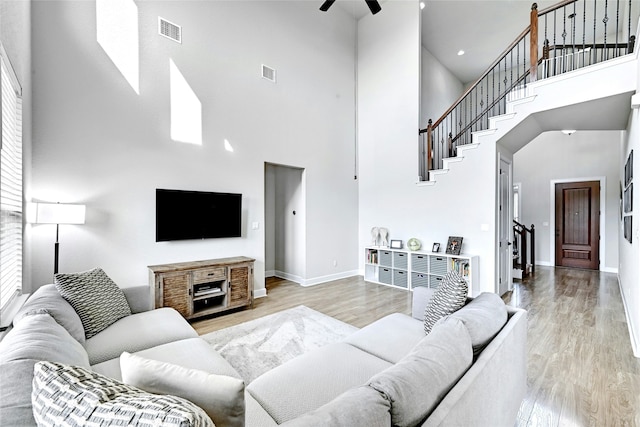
point(519, 96)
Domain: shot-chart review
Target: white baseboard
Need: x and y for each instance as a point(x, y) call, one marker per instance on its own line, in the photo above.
point(270, 273)
point(316, 280)
point(329, 278)
point(260, 293)
point(604, 269)
point(632, 333)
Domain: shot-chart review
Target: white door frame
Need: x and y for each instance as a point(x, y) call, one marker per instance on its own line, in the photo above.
point(504, 215)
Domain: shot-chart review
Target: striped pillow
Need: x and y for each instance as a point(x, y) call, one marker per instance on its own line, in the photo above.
point(448, 298)
point(95, 297)
point(73, 396)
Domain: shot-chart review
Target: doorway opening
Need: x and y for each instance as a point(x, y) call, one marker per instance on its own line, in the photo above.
point(285, 222)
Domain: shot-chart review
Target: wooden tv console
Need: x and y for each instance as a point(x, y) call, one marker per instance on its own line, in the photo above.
point(200, 288)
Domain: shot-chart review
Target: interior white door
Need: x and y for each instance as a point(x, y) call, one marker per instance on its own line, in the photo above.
point(505, 258)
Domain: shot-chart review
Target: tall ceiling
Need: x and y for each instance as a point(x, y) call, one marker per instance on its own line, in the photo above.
point(483, 29)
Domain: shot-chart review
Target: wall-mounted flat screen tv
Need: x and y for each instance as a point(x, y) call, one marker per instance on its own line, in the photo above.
point(184, 215)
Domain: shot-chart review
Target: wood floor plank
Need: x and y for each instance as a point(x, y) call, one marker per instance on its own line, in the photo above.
point(581, 368)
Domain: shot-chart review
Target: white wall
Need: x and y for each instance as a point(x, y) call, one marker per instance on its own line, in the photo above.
point(553, 156)
point(388, 99)
point(15, 35)
point(629, 253)
point(98, 142)
point(439, 89)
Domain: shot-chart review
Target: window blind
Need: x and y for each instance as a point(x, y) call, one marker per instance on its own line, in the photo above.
point(11, 224)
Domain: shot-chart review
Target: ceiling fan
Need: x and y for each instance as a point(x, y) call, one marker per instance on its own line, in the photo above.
point(374, 6)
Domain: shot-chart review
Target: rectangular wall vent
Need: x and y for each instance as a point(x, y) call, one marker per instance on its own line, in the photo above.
point(169, 30)
point(268, 73)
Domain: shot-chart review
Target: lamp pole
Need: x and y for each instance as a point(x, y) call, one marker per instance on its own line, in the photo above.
point(56, 247)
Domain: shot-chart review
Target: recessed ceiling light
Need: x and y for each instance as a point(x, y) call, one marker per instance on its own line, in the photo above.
point(422, 5)
point(460, 52)
point(568, 131)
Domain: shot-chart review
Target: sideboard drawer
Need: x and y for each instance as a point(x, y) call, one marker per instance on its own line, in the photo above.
point(209, 274)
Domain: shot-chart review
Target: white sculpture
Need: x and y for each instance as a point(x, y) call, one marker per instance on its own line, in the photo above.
point(384, 237)
point(374, 236)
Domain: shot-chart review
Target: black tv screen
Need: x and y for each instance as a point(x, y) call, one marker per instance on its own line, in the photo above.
point(183, 215)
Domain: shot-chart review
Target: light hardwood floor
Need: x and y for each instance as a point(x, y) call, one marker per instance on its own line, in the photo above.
point(581, 369)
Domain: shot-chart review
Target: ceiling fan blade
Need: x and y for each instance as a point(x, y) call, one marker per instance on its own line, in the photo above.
point(374, 6)
point(326, 5)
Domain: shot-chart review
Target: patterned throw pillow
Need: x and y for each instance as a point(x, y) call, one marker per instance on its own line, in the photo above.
point(448, 298)
point(95, 297)
point(73, 396)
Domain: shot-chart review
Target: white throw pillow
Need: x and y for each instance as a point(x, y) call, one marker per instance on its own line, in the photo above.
point(221, 396)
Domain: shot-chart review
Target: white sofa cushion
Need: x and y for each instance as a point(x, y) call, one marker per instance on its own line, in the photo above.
point(417, 383)
point(483, 317)
point(95, 297)
point(359, 406)
point(73, 396)
point(39, 337)
point(221, 396)
point(47, 297)
point(390, 338)
point(138, 332)
point(193, 353)
point(309, 381)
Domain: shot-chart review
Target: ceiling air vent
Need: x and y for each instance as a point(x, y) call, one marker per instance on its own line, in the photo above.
point(268, 73)
point(170, 30)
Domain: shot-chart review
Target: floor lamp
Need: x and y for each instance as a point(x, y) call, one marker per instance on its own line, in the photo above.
point(58, 213)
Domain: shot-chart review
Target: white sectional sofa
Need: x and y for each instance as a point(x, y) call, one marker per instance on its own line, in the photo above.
point(385, 374)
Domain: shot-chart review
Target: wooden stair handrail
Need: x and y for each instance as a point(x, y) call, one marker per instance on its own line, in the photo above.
point(491, 67)
point(526, 31)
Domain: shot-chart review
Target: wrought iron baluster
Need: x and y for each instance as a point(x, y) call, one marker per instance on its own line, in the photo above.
point(584, 31)
point(595, 19)
point(555, 46)
point(605, 20)
point(616, 52)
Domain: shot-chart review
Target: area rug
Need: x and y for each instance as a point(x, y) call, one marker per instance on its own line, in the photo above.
point(260, 345)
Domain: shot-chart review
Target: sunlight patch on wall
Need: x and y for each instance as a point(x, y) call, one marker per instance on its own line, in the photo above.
point(228, 146)
point(186, 109)
point(117, 33)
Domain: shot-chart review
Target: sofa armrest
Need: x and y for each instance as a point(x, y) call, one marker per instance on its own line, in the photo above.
point(421, 297)
point(139, 298)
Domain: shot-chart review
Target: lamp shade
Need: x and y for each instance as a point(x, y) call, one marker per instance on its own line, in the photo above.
point(58, 213)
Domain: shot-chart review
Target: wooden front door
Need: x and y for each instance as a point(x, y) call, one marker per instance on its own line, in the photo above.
point(578, 224)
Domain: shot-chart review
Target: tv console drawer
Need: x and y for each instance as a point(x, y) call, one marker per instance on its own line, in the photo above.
point(209, 274)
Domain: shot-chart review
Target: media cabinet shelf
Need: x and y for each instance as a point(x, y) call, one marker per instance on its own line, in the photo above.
point(410, 269)
point(200, 288)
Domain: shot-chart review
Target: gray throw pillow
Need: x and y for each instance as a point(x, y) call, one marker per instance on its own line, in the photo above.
point(47, 297)
point(95, 297)
point(419, 381)
point(448, 298)
point(483, 317)
point(73, 396)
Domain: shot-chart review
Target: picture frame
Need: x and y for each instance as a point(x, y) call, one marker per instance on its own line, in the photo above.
point(628, 223)
point(454, 245)
point(628, 199)
point(436, 247)
point(628, 169)
point(395, 244)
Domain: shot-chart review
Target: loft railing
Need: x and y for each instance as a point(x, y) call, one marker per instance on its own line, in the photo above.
point(572, 34)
